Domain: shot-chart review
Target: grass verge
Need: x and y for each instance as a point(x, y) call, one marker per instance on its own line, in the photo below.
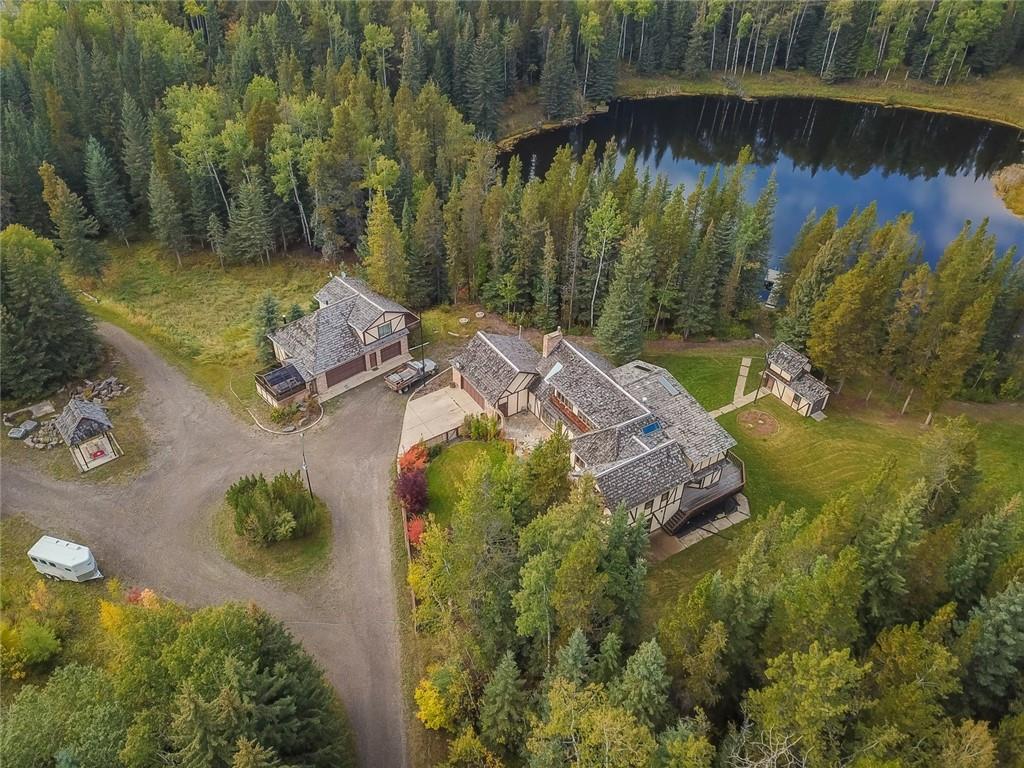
point(709, 374)
point(447, 472)
point(291, 562)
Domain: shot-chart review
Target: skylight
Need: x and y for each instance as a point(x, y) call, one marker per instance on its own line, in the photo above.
point(670, 386)
point(554, 370)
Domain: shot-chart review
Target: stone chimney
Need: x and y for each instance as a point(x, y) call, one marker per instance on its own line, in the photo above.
point(551, 341)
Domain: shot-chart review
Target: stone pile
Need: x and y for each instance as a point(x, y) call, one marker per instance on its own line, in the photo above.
point(45, 438)
point(101, 391)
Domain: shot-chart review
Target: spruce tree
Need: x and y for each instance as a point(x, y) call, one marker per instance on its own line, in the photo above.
point(136, 154)
point(546, 309)
point(105, 190)
point(165, 215)
point(814, 233)
point(620, 331)
point(994, 639)
point(558, 78)
point(217, 236)
point(427, 247)
point(503, 705)
point(267, 319)
point(249, 754)
point(414, 66)
point(695, 63)
point(642, 689)
point(386, 269)
point(484, 88)
point(608, 662)
point(697, 301)
point(47, 337)
point(249, 227)
point(572, 662)
point(75, 227)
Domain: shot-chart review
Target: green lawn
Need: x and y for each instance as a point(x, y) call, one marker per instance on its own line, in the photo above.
point(290, 562)
point(806, 462)
point(710, 374)
point(199, 317)
point(446, 474)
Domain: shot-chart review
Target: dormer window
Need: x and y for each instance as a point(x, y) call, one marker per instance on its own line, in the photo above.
point(384, 329)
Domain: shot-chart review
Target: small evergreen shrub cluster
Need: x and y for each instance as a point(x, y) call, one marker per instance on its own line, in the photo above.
point(268, 512)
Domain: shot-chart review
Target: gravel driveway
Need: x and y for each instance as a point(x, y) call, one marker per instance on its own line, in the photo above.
point(155, 531)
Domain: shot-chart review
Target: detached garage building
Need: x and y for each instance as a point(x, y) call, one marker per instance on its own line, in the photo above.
point(354, 335)
point(787, 375)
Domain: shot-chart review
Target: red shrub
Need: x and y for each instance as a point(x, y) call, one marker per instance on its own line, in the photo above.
point(415, 458)
point(414, 529)
point(411, 490)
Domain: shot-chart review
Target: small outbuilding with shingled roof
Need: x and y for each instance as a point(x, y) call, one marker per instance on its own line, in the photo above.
point(88, 433)
point(787, 375)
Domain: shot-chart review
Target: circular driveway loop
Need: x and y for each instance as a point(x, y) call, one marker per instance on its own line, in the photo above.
point(155, 531)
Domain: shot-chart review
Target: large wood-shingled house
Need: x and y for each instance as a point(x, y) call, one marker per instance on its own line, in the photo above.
point(354, 331)
point(787, 375)
point(649, 444)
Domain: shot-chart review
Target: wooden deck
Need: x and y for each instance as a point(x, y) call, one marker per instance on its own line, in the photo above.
point(696, 500)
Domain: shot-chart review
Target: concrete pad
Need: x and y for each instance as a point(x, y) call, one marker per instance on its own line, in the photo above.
point(435, 413)
point(664, 546)
point(526, 430)
point(361, 378)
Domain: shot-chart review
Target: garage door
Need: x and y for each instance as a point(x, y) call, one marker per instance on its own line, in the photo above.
point(473, 393)
point(392, 350)
point(345, 370)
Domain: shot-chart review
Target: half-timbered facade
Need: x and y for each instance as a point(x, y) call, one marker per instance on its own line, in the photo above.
point(649, 444)
point(787, 375)
point(353, 331)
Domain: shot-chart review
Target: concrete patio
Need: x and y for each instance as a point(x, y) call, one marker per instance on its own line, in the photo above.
point(526, 430)
point(434, 414)
point(663, 545)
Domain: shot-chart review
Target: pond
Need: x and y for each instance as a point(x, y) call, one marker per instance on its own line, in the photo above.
point(825, 153)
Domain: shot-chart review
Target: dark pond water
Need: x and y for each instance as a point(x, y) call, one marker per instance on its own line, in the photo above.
point(825, 153)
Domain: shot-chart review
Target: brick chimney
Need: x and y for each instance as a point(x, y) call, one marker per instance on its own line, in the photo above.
point(551, 341)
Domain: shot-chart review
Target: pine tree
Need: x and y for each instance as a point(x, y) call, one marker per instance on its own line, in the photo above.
point(503, 705)
point(643, 687)
point(267, 319)
point(136, 154)
point(75, 227)
point(386, 269)
point(249, 227)
point(558, 78)
point(48, 337)
point(620, 331)
point(105, 190)
point(165, 215)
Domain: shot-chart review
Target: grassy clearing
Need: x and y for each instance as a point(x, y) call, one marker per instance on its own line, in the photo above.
point(999, 97)
point(290, 562)
point(128, 430)
point(80, 633)
point(805, 463)
point(199, 317)
point(446, 474)
point(710, 374)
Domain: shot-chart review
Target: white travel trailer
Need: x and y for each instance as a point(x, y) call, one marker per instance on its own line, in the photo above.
point(63, 560)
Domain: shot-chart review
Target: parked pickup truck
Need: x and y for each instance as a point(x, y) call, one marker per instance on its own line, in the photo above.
point(409, 374)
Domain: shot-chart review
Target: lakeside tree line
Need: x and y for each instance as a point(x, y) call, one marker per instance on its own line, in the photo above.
point(883, 630)
point(858, 298)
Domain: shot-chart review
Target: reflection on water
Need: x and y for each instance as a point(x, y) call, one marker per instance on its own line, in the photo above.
point(825, 153)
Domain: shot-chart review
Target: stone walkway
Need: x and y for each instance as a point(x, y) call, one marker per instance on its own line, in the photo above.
point(738, 398)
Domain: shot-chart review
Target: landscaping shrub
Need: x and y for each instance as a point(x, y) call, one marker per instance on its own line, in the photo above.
point(284, 415)
point(411, 490)
point(414, 530)
point(275, 511)
point(482, 427)
point(26, 645)
point(416, 458)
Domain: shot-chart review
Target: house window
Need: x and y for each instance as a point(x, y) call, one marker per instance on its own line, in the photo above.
point(384, 329)
point(664, 498)
point(649, 505)
point(796, 401)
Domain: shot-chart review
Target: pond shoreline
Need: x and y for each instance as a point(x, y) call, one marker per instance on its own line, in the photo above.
point(753, 89)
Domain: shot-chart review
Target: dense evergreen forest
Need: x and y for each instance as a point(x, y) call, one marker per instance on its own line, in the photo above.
point(885, 630)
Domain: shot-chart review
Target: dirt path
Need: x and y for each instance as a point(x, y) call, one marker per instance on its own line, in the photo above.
point(155, 531)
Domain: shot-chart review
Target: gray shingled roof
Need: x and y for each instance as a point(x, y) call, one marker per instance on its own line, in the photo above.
point(682, 418)
point(515, 350)
point(809, 387)
point(484, 368)
point(788, 359)
point(582, 377)
point(643, 477)
point(81, 420)
point(332, 335)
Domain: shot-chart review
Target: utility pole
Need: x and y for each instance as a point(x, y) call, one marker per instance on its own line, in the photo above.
point(764, 371)
point(302, 443)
